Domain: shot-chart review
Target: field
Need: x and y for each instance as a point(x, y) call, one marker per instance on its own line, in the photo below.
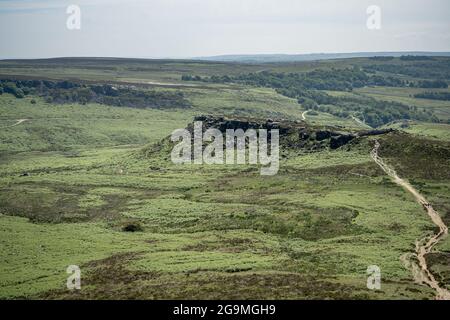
point(92, 185)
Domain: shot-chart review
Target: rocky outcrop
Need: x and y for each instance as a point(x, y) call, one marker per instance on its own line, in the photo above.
point(375, 132)
point(223, 123)
point(340, 140)
point(293, 134)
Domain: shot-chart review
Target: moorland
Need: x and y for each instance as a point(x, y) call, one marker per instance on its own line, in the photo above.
point(86, 179)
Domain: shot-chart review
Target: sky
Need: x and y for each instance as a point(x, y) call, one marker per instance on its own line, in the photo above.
point(193, 28)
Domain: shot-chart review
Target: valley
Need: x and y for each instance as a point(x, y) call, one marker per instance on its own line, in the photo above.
point(86, 179)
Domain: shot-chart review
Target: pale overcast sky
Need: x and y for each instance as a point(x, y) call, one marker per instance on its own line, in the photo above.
point(189, 28)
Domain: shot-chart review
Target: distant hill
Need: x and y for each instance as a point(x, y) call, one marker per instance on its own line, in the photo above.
point(258, 58)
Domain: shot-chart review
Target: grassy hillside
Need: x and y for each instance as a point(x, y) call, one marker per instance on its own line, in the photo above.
point(76, 178)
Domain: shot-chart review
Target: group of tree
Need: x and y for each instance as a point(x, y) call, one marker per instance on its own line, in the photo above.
point(333, 79)
point(309, 90)
point(373, 112)
point(10, 87)
point(432, 84)
point(433, 95)
point(416, 67)
point(62, 92)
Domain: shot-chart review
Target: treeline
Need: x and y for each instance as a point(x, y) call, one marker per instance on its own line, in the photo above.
point(433, 95)
point(308, 88)
point(402, 58)
point(433, 69)
point(334, 79)
point(415, 58)
point(432, 84)
point(382, 58)
point(10, 87)
point(374, 112)
point(62, 92)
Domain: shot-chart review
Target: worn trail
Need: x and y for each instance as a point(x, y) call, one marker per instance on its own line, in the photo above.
point(304, 115)
point(425, 245)
point(19, 121)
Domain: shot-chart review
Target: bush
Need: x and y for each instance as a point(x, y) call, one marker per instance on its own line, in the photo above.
point(308, 103)
point(132, 226)
point(70, 92)
point(19, 94)
point(432, 84)
point(433, 95)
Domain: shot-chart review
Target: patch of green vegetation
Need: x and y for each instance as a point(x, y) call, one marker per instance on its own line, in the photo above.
point(439, 131)
point(418, 67)
point(419, 157)
point(34, 257)
point(441, 109)
point(75, 92)
point(308, 89)
point(93, 185)
point(62, 128)
point(311, 220)
point(433, 95)
point(244, 101)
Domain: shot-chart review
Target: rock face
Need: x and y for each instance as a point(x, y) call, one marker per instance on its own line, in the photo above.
point(293, 134)
point(223, 123)
point(322, 135)
point(375, 132)
point(341, 140)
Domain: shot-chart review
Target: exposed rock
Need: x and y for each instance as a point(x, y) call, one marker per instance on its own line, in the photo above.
point(322, 135)
point(375, 132)
point(303, 134)
point(293, 134)
point(339, 141)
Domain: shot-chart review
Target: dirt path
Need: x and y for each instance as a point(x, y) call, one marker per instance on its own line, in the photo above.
point(304, 115)
point(19, 121)
point(425, 245)
point(359, 121)
point(169, 84)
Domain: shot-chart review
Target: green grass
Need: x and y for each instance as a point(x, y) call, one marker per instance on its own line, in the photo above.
point(233, 225)
point(222, 232)
point(290, 218)
point(439, 131)
point(406, 96)
point(144, 71)
point(37, 258)
point(66, 127)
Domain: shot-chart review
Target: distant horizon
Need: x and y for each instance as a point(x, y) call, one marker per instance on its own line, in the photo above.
point(181, 29)
point(209, 57)
point(235, 57)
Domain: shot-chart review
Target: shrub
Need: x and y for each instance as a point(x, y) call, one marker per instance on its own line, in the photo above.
point(131, 226)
